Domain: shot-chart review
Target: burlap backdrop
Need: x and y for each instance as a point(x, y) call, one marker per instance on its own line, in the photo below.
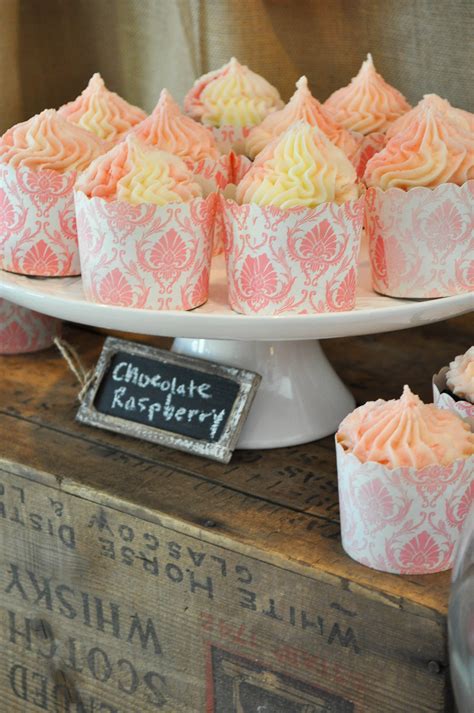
point(49, 48)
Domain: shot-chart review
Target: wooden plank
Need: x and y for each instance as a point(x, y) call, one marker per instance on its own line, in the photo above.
point(129, 613)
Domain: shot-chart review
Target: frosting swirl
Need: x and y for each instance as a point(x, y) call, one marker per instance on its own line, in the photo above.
point(302, 106)
point(430, 151)
point(460, 375)
point(368, 103)
point(232, 95)
point(136, 173)
point(405, 432)
point(457, 116)
point(299, 168)
point(101, 111)
point(169, 129)
point(47, 141)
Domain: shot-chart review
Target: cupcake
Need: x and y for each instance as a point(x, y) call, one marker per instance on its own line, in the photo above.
point(231, 100)
point(464, 119)
point(453, 387)
point(39, 162)
point(404, 474)
point(22, 330)
point(101, 111)
point(293, 233)
point(367, 105)
point(302, 106)
point(419, 209)
point(144, 229)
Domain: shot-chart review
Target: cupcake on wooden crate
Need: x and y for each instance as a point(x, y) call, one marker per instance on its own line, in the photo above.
point(367, 105)
point(102, 112)
point(405, 475)
point(145, 230)
point(453, 387)
point(231, 100)
point(419, 209)
point(22, 330)
point(302, 107)
point(293, 232)
point(40, 160)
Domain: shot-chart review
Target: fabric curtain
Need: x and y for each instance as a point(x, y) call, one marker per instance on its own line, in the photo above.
point(49, 48)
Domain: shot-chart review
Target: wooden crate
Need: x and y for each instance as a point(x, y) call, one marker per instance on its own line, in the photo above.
point(135, 579)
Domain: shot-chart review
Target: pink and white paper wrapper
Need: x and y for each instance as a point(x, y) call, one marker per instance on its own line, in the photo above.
point(421, 240)
point(144, 255)
point(231, 138)
point(462, 408)
point(302, 260)
point(236, 168)
point(404, 521)
point(38, 222)
point(22, 330)
point(369, 146)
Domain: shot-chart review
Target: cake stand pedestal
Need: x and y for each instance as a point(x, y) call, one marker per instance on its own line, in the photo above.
point(300, 398)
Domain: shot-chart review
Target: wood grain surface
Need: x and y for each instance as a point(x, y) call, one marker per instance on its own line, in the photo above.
point(273, 513)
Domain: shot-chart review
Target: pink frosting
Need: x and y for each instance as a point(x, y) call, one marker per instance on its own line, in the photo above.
point(302, 105)
point(169, 129)
point(430, 151)
point(101, 111)
point(138, 173)
point(405, 432)
point(368, 103)
point(464, 119)
point(47, 141)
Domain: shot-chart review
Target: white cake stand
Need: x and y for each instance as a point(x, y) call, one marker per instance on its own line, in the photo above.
point(301, 398)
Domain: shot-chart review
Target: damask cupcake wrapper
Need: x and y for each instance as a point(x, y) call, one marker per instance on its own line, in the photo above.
point(145, 256)
point(22, 330)
point(231, 138)
point(302, 260)
point(421, 240)
point(37, 222)
point(462, 408)
point(404, 521)
point(368, 147)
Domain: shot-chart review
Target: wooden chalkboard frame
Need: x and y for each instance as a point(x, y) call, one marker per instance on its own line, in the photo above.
point(220, 450)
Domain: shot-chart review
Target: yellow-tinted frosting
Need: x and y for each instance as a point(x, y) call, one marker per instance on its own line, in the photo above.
point(460, 375)
point(299, 168)
point(457, 116)
point(405, 432)
point(101, 111)
point(302, 106)
point(368, 103)
point(169, 129)
point(47, 141)
point(137, 173)
point(232, 95)
point(430, 151)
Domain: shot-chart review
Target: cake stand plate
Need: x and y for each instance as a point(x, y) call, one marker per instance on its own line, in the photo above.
point(300, 398)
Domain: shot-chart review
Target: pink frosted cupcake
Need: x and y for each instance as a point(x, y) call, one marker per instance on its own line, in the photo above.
point(302, 106)
point(101, 111)
point(145, 230)
point(419, 209)
point(231, 100)
point(369, 106)
point(405, 480)
point(464, 119)
point(453, 387)
point(293, 233)
point(39, 163)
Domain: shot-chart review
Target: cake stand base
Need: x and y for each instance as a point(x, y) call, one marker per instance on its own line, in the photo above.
point(300, 398)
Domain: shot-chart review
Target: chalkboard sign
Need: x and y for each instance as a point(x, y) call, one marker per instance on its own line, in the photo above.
point(184, 403)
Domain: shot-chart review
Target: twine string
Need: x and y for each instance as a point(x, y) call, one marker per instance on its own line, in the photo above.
point(84, 376)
